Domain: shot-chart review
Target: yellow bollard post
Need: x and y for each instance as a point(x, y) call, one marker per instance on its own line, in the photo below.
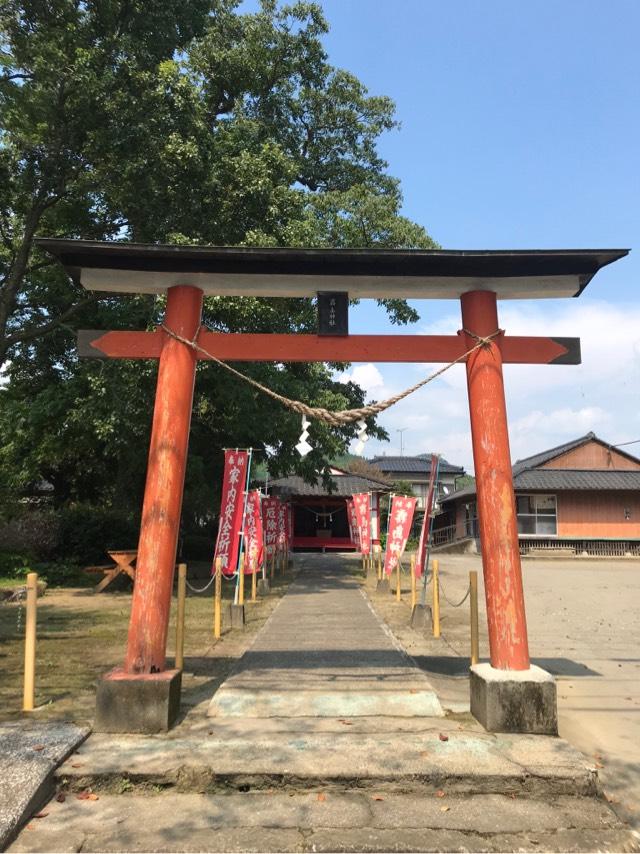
point(475, 640)
point(380, 565)
point(414, 591)
point(217, 601)
point(398, 585)
point(28, 697)
point(435, 611)
point(254, 581)
point(241, 581)
point(182, 594)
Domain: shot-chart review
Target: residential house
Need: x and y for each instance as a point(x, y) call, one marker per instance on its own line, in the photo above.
point(583, 495)
point(417, 471)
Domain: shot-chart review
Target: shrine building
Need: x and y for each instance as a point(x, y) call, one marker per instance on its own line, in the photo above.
point(320, 520)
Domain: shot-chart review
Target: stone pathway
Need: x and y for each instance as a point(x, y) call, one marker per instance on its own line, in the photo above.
point(324, 652)
point(325, 738)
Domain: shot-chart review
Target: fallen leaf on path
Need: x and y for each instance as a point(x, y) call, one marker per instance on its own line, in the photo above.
point(77, 764)
point(413, 690)
point(377, 797)
point(42, 814)
point(61, 797)
point(443, 737)
point(322, 796)
point(440, 794)
point(445, 809)
point(346, 723)
point(87, 796)
point(39, 747)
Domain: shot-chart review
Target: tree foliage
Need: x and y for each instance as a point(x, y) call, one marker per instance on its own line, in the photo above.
point(181, 121)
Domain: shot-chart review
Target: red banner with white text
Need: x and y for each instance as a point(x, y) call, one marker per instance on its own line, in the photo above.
point(353, 523)
point(400, 519)
point(231, 509)
point(270, 523)
point(362, 504)
point(253, 541)
point(425, 533)
point(283, 526)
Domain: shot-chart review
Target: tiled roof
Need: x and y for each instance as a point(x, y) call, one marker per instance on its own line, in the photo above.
point(562, 480)
point(343, 486)
point(559, 480)
point(540, 459)
point(416, 465)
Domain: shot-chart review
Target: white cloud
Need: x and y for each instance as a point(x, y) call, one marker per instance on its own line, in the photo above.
point(547, 404)
point(367, 376)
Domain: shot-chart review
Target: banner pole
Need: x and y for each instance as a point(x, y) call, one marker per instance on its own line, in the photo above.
point(236, 596)
point(423, 594)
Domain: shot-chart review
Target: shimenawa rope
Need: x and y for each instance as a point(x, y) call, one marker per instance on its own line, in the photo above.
point(344, 416)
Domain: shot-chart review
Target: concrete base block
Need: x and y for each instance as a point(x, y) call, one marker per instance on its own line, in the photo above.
point(138, 702)
point(421, 617)
point(383, 586)
point(236, 616)
point(263, 586)
point(514, 700)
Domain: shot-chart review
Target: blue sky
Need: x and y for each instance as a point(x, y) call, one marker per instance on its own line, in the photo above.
point(520, 129)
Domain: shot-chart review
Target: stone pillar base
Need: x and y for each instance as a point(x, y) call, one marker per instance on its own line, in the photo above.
point(514, 700)
point(421, 617)
point(236, 616)
point(138, 702)
point(383, 586)
point(263, 586)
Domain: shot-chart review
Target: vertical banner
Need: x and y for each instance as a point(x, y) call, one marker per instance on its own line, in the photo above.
point(290, 521)
point(425, 533)
point(253, 542)
point(283, 517)
point(353, 523)
point(362, 503)
point(231, 509)
point(400, 519)
point(270, 520)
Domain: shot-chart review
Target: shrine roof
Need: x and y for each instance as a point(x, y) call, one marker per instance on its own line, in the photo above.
point(372, 272)
point(341, 486)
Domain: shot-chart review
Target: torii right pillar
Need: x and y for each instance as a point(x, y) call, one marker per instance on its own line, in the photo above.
point(509, 694)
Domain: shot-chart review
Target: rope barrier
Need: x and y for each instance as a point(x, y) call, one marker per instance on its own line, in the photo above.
point(344, 416)
point(456, 604)
point(201, 589)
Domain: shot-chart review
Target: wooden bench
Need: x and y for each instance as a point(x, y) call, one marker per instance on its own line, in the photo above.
point(123, 561)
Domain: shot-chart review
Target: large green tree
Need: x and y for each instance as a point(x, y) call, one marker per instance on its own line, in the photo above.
point(172, 121)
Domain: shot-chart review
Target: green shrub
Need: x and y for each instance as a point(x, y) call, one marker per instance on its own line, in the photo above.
point(197, 547)
point(14, 564)
point(87, 532)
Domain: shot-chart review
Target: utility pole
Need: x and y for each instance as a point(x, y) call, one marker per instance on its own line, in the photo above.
point(401, 431)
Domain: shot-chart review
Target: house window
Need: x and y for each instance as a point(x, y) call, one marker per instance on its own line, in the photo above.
point(471, 520)
point(537, 515)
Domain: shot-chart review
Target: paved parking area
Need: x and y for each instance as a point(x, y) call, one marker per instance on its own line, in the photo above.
point(582, 617)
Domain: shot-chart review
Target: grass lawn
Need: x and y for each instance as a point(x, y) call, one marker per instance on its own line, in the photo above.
point(82, 635)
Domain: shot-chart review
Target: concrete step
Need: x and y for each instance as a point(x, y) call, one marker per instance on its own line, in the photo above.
point(324, 821)
point(303, 753)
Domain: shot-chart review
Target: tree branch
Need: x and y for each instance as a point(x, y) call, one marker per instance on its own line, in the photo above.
point(32, 332)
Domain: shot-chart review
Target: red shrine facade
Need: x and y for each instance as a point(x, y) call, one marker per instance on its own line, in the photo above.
point(319, 510)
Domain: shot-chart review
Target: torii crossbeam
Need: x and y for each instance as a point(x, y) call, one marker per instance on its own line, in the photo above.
point(187, 274)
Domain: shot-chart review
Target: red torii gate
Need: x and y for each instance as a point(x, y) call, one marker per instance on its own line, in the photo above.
point(187, 274)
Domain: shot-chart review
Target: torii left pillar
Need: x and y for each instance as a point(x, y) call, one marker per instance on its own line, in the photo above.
point(144, 696)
